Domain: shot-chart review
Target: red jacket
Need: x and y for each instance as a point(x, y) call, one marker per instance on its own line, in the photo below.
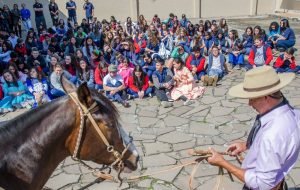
point(133, 87)
point(99, 75)
point(139, 47)
point(279, 62)
point(21, 51)
point(1, 92)
point(192, 58)
point(268, 56)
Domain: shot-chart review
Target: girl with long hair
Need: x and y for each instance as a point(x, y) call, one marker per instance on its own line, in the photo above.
point(185, 87)
point(38, 86)
point(15, 94)
point(85, 74)
point(100, 72)
point(139, 84)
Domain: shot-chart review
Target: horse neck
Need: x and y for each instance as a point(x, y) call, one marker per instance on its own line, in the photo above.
point(38, 146)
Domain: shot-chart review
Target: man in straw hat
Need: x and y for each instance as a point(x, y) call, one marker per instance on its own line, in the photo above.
point(273, 143)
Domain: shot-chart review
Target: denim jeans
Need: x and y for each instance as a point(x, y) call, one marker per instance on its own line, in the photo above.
point(57, 93)
point(27, 24)
point(236, 60)
point(198, 75)
point(287, 70)
point(215, 72)
point(99, 87)
point(73, 18)
point(39, 20)
point(117, 96)
point(136, 95)
point(285, 44)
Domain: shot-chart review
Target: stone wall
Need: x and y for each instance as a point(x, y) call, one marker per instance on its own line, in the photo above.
point(121, 9)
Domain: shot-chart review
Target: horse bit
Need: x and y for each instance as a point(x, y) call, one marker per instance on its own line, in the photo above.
point(87, 112)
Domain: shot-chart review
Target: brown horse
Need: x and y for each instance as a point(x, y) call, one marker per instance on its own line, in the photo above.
point(33, 144)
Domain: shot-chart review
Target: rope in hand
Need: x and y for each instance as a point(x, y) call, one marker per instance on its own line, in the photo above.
point(201, 154)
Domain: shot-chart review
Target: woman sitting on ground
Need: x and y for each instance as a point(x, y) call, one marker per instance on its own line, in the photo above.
point(12, 67)
point(38, 87)
point(287, 38)
point(185, 87)
point(15, 95)
point(84, 74)
point(100, 72)
point(139, 84)
point(125, 70)
point(70, 64)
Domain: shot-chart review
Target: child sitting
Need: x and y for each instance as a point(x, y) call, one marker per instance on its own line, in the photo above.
point(260, 54)
point(114, 86)
point(235, 49)
point(139, 84)
point(215, 68)
point(195, 63)
point(125, 70)
point(286, 62)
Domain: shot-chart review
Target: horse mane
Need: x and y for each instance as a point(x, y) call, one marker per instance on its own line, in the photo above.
point(106, 107)
point(17, 124)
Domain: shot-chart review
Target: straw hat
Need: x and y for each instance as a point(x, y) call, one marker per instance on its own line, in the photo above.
point(261, 81)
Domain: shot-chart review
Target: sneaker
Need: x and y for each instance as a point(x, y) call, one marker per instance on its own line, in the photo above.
point(281, 49)
point(166, 104)
point(238, 67)
point(125, 104)
point(129, 97)
point(169, 97)
point(188, 102)
point(150, 95)
point(215, 80)
point(170, 100)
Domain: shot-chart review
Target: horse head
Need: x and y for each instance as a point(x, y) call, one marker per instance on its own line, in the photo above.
point(106, 117)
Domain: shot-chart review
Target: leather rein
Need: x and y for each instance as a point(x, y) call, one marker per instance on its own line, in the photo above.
point(87, 112)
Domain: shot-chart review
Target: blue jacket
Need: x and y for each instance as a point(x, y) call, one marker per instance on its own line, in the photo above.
point(249, 41)
point(25, 14)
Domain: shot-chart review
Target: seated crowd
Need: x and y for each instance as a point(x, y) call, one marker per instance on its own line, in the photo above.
point(135, 60)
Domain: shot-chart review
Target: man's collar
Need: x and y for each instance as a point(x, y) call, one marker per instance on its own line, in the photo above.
point(267, 116)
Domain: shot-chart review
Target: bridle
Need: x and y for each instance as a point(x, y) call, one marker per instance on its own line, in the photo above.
point(87, 112)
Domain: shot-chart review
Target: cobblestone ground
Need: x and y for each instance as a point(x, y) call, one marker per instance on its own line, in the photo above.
point(163, 136)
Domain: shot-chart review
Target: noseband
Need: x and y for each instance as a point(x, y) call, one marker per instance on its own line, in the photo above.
point(87, 112)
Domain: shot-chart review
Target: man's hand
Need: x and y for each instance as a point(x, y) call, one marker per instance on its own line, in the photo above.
point(112, 92)
point(237, 148)
point(216, 159)
point(166, 85)
point(141, 94)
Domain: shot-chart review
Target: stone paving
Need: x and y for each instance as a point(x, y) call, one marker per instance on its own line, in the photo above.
point(163, 136)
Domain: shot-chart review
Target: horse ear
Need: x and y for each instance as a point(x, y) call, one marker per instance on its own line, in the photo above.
point(84, 95)
point(67, 85)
